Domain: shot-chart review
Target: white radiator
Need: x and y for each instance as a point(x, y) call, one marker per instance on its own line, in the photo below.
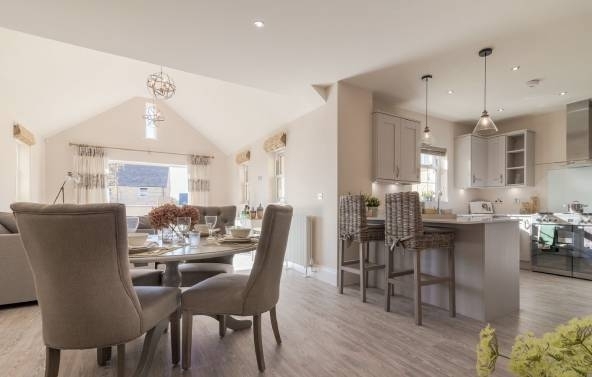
point(299, 249)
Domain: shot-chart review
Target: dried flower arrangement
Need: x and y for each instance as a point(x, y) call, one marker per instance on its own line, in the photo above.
point(565, 352)
point(165, 216)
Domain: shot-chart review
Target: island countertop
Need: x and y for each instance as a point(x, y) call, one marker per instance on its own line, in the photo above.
point(456, 221)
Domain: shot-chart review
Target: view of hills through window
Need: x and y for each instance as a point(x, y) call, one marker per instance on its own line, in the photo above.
point(145, 184)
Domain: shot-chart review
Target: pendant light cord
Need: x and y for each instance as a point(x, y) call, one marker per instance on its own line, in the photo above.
point(485, 87)
point(426, 111)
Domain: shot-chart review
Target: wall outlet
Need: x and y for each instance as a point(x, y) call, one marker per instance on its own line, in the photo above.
point(320, 196)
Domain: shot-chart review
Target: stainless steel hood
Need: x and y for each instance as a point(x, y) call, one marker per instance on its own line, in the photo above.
point(579, 131)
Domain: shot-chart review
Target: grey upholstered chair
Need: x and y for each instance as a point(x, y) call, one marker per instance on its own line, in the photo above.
point(244, 295)
point(79, 258)
point(404, 230)
point(193, 272)
point(354, 227)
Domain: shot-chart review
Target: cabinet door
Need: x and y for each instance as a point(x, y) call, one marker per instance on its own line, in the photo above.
point(496, 161)
point(407, 151)
point(478, 162)
point(384, 146)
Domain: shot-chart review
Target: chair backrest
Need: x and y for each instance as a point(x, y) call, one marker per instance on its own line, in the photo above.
point(353, 224)
point(263, 288)
point(226, 215)
point(79, 258)
point(402, 216)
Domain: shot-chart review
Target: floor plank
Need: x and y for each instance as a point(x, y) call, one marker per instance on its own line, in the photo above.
point(323, 333)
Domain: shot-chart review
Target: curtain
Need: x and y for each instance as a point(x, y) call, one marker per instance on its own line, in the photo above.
point(90, 167)
point(199, 180)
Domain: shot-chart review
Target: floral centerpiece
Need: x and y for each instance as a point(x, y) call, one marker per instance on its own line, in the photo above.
point(565, 352)
point(165, 216)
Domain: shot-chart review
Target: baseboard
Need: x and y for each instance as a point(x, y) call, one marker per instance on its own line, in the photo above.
point(325, 274)
point(525, 265)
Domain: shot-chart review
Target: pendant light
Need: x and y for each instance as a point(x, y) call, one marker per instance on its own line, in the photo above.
point(427, 133)
point(485, 125)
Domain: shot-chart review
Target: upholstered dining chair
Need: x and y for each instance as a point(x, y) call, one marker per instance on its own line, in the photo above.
point(244, 295)
point(193, 272)
point(404, 230)
point(79, 258)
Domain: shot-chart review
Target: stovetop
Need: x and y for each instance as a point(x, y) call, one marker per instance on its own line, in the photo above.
point(563, 218)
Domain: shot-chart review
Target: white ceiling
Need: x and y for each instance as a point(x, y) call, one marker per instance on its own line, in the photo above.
point(310, 42)
point(49, 86)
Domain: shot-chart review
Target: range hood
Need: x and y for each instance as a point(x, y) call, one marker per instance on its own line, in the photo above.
point(579, 131)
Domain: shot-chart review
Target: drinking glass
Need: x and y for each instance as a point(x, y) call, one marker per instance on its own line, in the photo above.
point(211, 222)
point(132, 223)
point(183, 225)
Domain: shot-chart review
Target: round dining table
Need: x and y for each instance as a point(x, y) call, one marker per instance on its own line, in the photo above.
point(171, 256)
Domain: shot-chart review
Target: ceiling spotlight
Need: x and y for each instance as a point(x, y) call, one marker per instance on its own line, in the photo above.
point(450, 91)
point(500, 109)
point(515, 68)
point(259, 24)
point(562, 93)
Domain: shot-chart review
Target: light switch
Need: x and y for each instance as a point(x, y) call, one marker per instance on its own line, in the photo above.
point(320, 196)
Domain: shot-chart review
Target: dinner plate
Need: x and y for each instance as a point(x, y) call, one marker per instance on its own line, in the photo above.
point(236, 240)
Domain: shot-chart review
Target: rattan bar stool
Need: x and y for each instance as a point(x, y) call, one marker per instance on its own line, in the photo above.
point(353, 227)
point(404, 231)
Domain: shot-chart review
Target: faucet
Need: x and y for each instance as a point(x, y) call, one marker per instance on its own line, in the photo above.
point(438, 210)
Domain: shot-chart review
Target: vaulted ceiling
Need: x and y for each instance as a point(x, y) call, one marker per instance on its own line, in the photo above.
point(260, 78)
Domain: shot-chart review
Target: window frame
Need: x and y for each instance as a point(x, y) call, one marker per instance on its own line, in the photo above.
point(243, 173)
point(279, 176)
point(440, 174)
point(23, 171)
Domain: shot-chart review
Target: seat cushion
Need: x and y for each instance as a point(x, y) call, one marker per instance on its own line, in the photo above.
point(145, 277)
point(221, 294)
point(193, 273)
point(157, 304)
point(8, 220)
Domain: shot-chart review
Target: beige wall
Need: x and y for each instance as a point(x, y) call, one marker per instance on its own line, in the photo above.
point(311, 169)
point(123, 126)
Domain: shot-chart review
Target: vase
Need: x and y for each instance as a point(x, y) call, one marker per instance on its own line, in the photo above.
point(371, 211)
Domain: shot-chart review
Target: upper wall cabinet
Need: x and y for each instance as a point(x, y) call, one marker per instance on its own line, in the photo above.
point(395, 149)
point(496, 161)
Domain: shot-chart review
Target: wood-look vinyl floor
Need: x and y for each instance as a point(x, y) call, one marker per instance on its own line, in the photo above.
point(324, 334)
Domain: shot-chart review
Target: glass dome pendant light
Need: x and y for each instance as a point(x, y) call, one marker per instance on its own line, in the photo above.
point(485, 125)
point(428, 138)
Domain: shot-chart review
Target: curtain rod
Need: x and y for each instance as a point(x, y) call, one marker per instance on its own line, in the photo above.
point(136, 150)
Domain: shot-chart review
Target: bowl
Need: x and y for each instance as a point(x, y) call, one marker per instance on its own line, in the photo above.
point(132, 223)
point(136, 239)
point(238, 232)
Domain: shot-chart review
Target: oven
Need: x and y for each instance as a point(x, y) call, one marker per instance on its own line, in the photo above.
point(553, 248)
point(582, 260)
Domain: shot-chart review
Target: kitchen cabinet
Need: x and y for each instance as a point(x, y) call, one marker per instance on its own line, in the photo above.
point(395, 149)
point(470, 161)
point(496, 161)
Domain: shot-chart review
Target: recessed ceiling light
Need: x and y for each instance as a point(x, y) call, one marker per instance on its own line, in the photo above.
point(258, 24)
point(450, 91)
point(562, 93)
point(515, 68)
point(500, 109)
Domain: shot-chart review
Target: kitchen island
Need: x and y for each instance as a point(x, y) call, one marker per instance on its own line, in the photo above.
point(487, 263)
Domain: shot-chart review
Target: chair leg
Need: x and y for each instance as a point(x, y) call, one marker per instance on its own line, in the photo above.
point(363, 271)
point(258, 342)
point(103, 355)
point(387, 291)
point(417, 281)
point(340, 256)
point(175, 337)
point(187, 339)
point(149, 348)
point(392, 267)
point(451, 283)
point(367, 261)
point(52, 362)
point(121, 360)
point(221, 325)
point(274, 326)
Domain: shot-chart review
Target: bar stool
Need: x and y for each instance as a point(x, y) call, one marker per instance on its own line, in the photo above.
point(353, 227)
point(404, 230)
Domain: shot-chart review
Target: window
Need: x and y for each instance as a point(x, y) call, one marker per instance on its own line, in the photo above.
point(146, 184)
point(433, 177)
point(244, 183)
point(23, 172)
point(151, 113)
point(279, 178)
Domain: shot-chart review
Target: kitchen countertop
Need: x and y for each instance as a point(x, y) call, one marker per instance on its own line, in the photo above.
point(457, 221)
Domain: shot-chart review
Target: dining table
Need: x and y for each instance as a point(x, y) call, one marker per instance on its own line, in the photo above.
point(172, 255)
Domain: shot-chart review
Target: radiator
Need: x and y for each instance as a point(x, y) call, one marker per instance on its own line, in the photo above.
point(299, 249)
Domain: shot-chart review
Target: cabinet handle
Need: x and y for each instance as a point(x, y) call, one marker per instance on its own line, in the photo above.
point(474, 178)
point(501, 178)
point(397, 171)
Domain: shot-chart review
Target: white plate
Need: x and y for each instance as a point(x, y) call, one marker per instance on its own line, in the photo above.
point(237, 240)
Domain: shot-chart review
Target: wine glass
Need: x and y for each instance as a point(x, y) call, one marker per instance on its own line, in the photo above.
point(210, 222)
point(183, 225)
